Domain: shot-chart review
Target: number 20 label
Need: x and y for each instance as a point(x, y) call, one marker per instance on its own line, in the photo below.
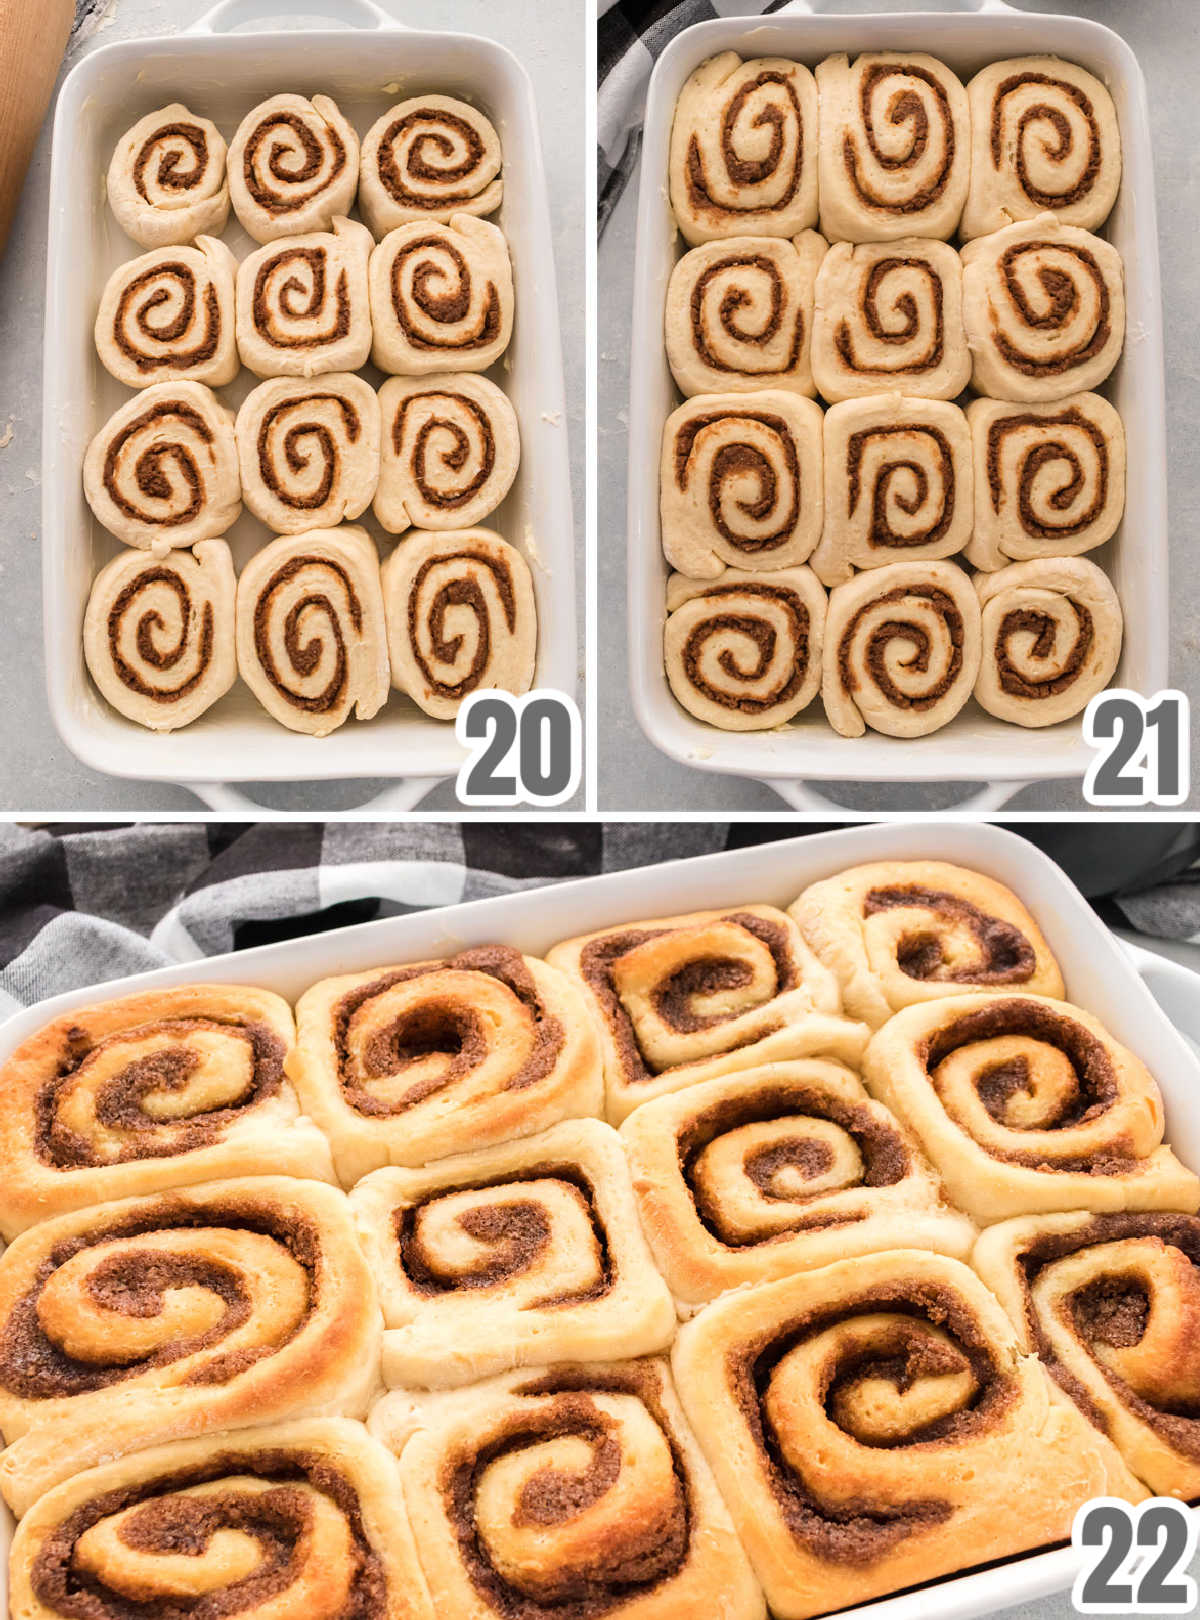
point(1135, 1558)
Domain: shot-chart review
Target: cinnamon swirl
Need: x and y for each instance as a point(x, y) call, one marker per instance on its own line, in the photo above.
point(461, 616)
point(429, 158)
point(895, 151)
point(441, 297)
point(510, 1256)
point(1026, 1104)
point(1051, 639)
point(293, 167)
point(1049, 479)
point(900, 932)
point(1044, 308)
point(744, 149)
point(166, 182)
point(898, 482)
point(403, 1065)
point(739, 315)
point(573, 1491)
point(743, 652)
point(1044, 137)
point(168, 316)
point(873, 1426)
point(741, 482)
point(889, 316)
point(309, 451)
point(901, 651)
point(451, 448)
point(311, 636)
point(158, 633)
point(163, 470)
point(303, 306)
point(154, 1319)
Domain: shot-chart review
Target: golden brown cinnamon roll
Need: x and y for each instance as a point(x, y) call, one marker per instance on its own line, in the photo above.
point(683, 999)
point(510, 1256)
point(1027, 1104)
point(1044, 137)
point(303, 307)
point(1109, 1303)
point(1044, 308)
point(739, 315)
point(441, 297)
point(743, 652)
point(169, 317)
point(309, 451)
point(303, 1517)
point(451, 448)
point(900, 932)
point(293, 167)
point(428, 158)
point(744, 149)
point(166, 182)
point(160, 1318)
point(895, 147)
point(873, 1426)
point(405, 1065)
point(573, 1491)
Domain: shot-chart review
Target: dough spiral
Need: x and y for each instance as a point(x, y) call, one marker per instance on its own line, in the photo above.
point(303, 306)
point(451, 448)
point(168, 316)
point(429, 158)
point(441, 297)
point(293, 167)
point(166, 182)
point(309, 451)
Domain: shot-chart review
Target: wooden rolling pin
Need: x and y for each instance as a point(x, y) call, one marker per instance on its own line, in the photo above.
point(33, 37)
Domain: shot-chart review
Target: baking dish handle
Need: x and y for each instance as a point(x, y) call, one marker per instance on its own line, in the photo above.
point(1175, 987)
point(985, 799)
point(813, 6)
point(227, 15)
point(395, 799)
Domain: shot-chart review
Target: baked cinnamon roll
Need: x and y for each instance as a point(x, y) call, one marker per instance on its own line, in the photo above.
point(744, 149)
point(895, 147)
point(166, 182)
point(1027, 1104)
point(429, 158)
point(303, 307)
point(441, 297)
point(451, 448)
point(873, 1426)
point(309, 451)
point(169, 317)
point(293, 167)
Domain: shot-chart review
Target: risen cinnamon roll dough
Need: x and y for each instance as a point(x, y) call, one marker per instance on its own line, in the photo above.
point(429, 158)
point(450, 450)
point(303, 306)
point(293, 167)
point(309, 451)
point(744, 149)
point(166, 182)
point(441, 297)
point(168, 316)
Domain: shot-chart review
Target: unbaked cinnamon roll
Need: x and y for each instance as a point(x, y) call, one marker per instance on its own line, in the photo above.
point(889, 316)
point(169, 317)
point(900, 932)
point(451, 448)
point(895, 147)
point(311, 636)
point(512, 1256)
point(441, 297)
point(1050, 637)
point(684, 999)
point(744, 149)
point(461, 617)
point(1109, 1303)
point(1027, 1104)
point(901, 651)
point(293, 167)
point(776, 1170)
point(304, 1517)
point(154, 1319)
point(743, 652)
point(1044, 308)
point(158, 633)
point(739, 315)
point(166, 182)
point(1049, 479)
point(405, 1065)
point(898, 481)
point(163, 470)
point(741, 482)
point(572, 1491)
point(303, 306)
point(873, 1425)
point(309, 451)
point(1044, 137)
point(428, 158)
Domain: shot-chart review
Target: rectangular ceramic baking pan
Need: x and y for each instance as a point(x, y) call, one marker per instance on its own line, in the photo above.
point(1100, 974)
point(974, 747)
point(223, 75)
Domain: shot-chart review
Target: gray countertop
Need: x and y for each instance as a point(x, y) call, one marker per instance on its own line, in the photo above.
point(633, 775)
point(39, 773)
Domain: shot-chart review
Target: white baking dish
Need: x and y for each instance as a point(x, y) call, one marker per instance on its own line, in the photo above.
point(223, 75)
point(974, 747)
point(1100, 975)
